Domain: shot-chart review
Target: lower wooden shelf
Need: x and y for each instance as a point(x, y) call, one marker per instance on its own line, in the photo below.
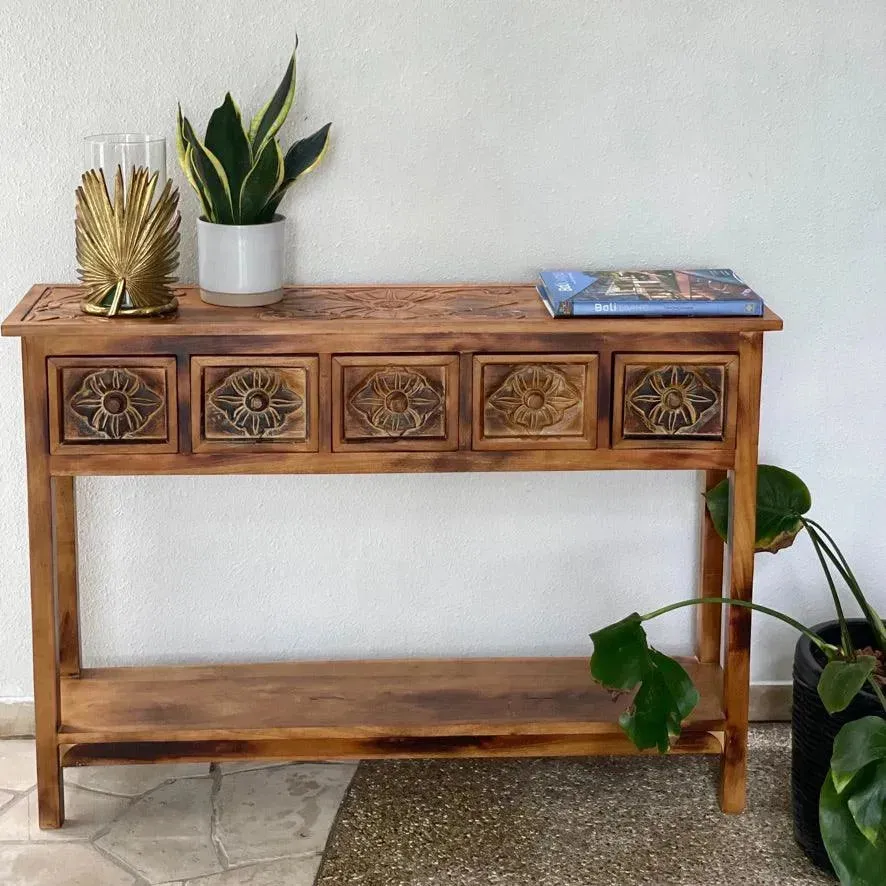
point(324, 710)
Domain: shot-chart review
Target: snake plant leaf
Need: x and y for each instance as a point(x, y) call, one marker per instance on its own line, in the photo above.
point(207, 168)
point(181, 146)
point(226, 139)
point(261, 183)
point(841, 681)
point(205, 202)
point(623, 660)
point(302, 157)
point(305, 154)
point(857, 744)
point(267, 122)
point(856, 860)
point(782, 497)
point(665, 699)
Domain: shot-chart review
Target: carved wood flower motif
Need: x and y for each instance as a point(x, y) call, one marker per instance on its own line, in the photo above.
point(406, 303)
point(115, 402)
point(535, 397)
point(396, 400)
point(672, 399)
point(255, 401)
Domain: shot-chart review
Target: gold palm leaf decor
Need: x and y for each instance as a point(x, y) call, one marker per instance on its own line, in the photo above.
point(127, 249)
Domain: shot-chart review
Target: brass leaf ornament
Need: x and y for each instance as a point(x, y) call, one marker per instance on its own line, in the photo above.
point(127, 248)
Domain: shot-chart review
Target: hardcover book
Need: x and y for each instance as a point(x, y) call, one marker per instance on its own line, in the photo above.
point(707, 292)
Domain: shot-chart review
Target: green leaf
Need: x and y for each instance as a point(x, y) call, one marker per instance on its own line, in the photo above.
point(857, 861)
point(665, 699)
point(208, 169)
point(263, 180)
point(857, 744)
point(302, 157)
point(621, 653)
point(270, 118)
point(781, 498)
point(305, 154)
point(623, 660)
point(867, 801)
point(184, 151)
point(226, 139)
point(181, 144)
point(205, 202)
point(841, 681)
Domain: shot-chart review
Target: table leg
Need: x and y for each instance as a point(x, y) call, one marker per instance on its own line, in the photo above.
point(41, 519)
point(742, 535)
point(65, 513)
point(709, 627)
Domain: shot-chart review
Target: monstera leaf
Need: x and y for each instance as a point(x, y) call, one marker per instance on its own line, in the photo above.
point(624, 660)
point(782, 498)
point(852, 809)
point(841, 681)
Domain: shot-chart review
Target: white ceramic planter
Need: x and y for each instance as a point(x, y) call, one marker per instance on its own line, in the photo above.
point(241, 265)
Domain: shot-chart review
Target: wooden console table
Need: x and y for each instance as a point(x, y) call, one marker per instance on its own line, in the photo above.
point(374, 380)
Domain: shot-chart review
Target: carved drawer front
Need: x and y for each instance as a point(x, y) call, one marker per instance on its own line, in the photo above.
point(532, 401)
point(264, 403)
point(395, 403)
point(682, 400)
point(127, 404)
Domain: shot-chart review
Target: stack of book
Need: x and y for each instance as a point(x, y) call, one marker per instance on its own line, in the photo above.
point(708, 292)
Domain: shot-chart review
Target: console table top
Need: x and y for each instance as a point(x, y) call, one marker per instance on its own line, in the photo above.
point(53, 309)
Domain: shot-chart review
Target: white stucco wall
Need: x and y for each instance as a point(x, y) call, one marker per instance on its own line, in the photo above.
point(472, 140)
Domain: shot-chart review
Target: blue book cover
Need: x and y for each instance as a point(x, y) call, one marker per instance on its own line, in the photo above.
point(706, 292)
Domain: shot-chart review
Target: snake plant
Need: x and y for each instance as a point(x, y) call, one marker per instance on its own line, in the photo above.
point(241, 176)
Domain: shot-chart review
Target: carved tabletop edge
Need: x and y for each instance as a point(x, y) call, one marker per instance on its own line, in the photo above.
point(54, 309)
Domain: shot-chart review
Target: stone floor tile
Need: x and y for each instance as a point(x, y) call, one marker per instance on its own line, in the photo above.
point(285, 872)
point(166, 835)
point(274, 813)
point(43, 864)
point(14, 822)
point(5, 799)
point(131, 781)
point(249, 765)
point(86, 813)
point(18, 768)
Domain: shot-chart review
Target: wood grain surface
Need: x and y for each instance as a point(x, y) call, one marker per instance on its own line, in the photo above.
point(52, 309)
point(372, 379)
point(354, 699)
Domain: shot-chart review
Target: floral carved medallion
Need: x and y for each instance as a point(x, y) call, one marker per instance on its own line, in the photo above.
point(675, 401)
point(397, 401)
point(535, 397)
point(116, 404)
point(255, 402)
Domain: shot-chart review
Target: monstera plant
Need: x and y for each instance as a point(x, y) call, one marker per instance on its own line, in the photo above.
point(240, 177)
point(852, 803)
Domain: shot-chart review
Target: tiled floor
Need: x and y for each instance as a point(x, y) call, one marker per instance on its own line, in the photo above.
point(194, 824)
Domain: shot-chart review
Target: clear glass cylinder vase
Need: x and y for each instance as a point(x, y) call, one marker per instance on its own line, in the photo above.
point(128, 150)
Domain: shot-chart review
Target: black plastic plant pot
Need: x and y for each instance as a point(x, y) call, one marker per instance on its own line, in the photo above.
point(814, 731)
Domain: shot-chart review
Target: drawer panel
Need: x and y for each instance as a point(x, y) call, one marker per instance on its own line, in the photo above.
point(395, 402)
point(265, 403)
point(683, 400)
point(534, 401)
point(124, 403)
